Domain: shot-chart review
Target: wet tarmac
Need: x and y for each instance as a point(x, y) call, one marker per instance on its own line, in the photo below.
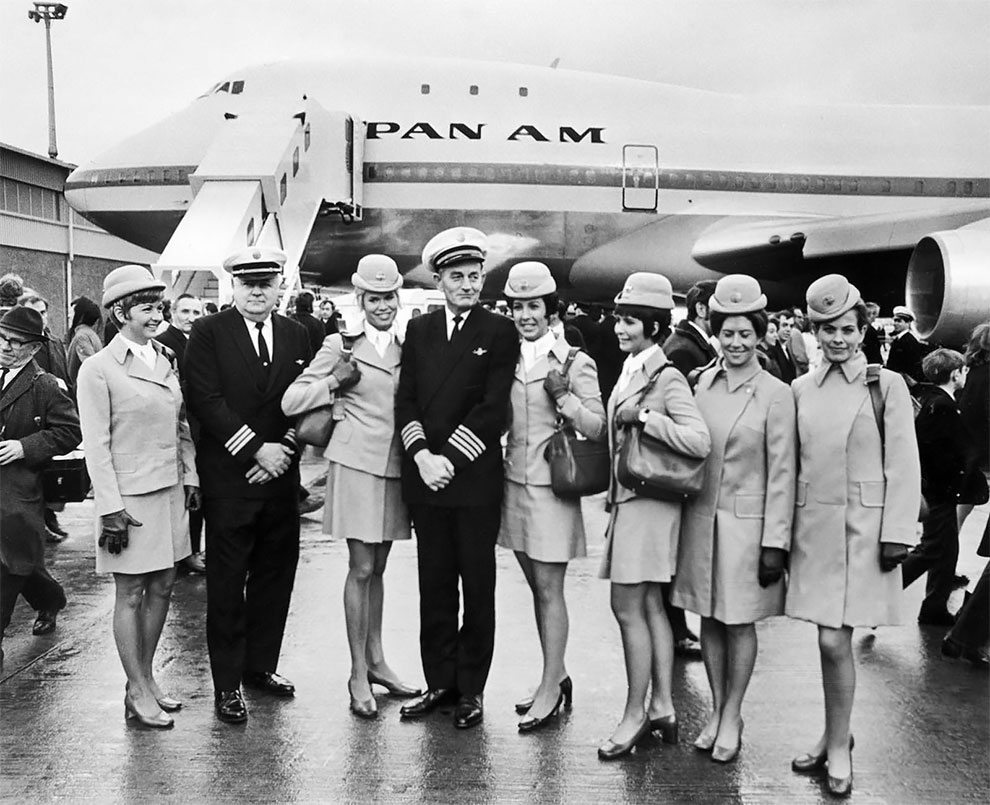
point(922, 723)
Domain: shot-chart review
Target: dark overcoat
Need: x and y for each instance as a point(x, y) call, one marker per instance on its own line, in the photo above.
point(37, 413)
point(687, 348)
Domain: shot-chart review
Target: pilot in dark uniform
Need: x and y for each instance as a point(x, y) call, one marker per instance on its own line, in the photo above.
point(906, 351)
point(451, 407)
point(238, 364)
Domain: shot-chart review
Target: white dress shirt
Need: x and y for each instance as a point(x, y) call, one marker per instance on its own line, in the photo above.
point(380, 339)
point(145, 352)
point(633, 364)
point(267, 332)
point(450, 320)
point(532, 351)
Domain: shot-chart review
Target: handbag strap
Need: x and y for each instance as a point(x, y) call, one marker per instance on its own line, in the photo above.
point(876, 398)
point(561, 423)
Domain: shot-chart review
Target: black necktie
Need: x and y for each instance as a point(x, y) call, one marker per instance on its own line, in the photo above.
point(457, 326)
point(3, 381)
point(262, 347)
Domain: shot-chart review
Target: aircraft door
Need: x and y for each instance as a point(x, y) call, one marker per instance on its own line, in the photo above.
point(640, 178)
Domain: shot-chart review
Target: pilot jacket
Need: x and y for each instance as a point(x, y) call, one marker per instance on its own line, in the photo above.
point(853, 493)
point(747, 502)
point(533, 415)
point(134, 429)
point(366, 439)
point(239, 406)
point(453, 399)
point(687, 348)
point(905, 356)
point(673, 419)
point(38, 414)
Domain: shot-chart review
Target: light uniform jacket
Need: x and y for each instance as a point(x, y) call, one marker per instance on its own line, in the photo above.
point(747, 502)
point(135, 433)
point(532, 413)
point(673, 419)
point(852, 495)
point(365, 439)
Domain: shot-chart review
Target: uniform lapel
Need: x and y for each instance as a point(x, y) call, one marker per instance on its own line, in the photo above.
point(242, 338)
point(450, 355)
point(19, 385)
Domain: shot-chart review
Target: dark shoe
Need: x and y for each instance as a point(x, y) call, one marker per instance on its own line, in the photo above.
point(366, 708)
point(942, 618)
point(531, 722)
point(270, 682)
point(230, 706)
point(45, 622)
point(310, 504)
point(55, 532)
point(194, 563)
point(161, 721)
point(688, 647)
point(726, 754)
point(666, 726)
point(470, 711)
point(960, 581)
point(955, 650)
point(428, 702)
point(812, 764)
point(566, 688)
point(395, 687)
point(610, 750)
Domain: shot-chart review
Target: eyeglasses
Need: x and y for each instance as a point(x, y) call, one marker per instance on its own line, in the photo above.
point(16, 343)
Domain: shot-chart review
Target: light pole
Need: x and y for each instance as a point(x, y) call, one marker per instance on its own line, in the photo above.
point(49, 12)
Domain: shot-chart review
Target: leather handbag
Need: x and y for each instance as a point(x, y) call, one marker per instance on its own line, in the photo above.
point(65, 479)
point(653, 469)
point(315, 427)
point(578, 466)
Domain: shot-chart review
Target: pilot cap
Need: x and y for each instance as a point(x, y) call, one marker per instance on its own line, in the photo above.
point(25, 321)
point(125, 280)
point(451, 247)
point(736, 294)
point(830, 297)
point(645, 289)
point(900, 310)
point(529, 280)
point(255, 263)
point(377, 273)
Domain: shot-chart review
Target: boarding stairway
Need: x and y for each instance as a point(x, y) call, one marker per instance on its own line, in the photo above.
point(263, 181)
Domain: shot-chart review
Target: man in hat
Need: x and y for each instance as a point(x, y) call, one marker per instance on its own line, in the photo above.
point(906, 351)
point(451, 404)
point(238, 364)
point(39, 422)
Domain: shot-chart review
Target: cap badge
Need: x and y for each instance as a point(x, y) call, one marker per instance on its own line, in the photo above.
point(256, 255)
point(828, 300)
point(380, 276)
point(523, 285)
point(736, 297)
point(461, 237)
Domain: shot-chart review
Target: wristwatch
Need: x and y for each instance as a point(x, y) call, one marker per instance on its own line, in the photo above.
point(643, 414)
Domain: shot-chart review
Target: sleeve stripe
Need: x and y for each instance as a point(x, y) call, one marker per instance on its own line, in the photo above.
point(465, 441)
point(411, 433)
point(290, 436)
point(239, 439)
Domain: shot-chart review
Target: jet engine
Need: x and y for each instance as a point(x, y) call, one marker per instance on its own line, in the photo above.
point(948, 283)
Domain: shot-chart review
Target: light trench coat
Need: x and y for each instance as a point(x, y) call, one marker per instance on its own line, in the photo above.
point(366, 438)
point(673, 419)
point(853, 494)
point(747, 502)
point(532, 413)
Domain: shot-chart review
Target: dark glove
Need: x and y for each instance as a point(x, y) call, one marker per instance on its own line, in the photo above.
point(346, 373)
point(891, 555)
point(194, 498)
point(627, 416)
point(772, 563)
point(113, 531)
point(555, 385)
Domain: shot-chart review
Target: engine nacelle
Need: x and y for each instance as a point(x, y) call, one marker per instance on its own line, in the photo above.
point(948, 284)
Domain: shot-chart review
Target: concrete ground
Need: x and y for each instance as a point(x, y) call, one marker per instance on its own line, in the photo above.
point(922, 723)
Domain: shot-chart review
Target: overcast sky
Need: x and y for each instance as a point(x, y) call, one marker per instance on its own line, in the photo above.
point(121, 65)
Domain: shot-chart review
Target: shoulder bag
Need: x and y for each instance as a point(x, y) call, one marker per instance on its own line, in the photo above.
point(316, 427)
point(577, 466)
point(653, 469)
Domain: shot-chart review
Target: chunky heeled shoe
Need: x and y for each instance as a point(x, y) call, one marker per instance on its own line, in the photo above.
point(666, 726)
point(168, 704)
point(366, 708)
point(610, 750)
point(395, 688)
point(531, 723)
point(566, 688)
point(157, 722)
point(812, 764)
point(841, 787)
point(726, 754)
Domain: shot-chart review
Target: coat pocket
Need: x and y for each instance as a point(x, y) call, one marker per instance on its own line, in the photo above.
point(801, 494)
point(871, 493)
point(749, 506)
point(125, 462)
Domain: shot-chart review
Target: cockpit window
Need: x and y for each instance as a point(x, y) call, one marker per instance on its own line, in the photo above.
point(237, 88)
point(231, 87)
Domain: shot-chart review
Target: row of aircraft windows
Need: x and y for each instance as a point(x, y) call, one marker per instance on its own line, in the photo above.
point(472, 90)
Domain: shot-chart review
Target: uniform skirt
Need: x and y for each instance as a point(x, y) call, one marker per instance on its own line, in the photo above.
point(638, 545)
point(159, 542)
point(541, 525)
point(364, 507)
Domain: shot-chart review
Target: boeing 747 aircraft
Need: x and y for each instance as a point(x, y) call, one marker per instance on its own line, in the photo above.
point(597, 176)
